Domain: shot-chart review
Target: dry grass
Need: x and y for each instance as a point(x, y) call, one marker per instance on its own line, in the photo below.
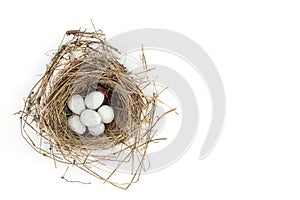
point(82, 63)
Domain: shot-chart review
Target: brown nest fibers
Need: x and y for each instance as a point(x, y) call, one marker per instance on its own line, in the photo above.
point(85, 62)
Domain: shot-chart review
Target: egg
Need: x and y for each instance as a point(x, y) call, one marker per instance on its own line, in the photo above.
point(106, 113)
point(94, 100)
point(75, 124)
point(76, 104)
point(90, 118)
point(97, 130)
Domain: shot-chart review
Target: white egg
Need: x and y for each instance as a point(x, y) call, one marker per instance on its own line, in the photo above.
point(97, 130)
point(94, 100)
point(90, 118)
point(76, 104)
point(75, 124)
point(106, 113)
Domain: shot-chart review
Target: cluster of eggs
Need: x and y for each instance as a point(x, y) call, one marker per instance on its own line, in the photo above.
point(89, 113)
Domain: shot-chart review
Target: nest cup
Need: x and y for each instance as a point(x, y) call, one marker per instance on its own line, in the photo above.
point(97, 72)
point(83, 63)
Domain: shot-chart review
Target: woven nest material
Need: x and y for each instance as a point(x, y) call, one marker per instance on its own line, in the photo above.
point(85, 62)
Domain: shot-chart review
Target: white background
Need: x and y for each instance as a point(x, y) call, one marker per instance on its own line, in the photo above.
point(255, 46)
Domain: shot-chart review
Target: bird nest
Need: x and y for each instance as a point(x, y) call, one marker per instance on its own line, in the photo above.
point(85, 62)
